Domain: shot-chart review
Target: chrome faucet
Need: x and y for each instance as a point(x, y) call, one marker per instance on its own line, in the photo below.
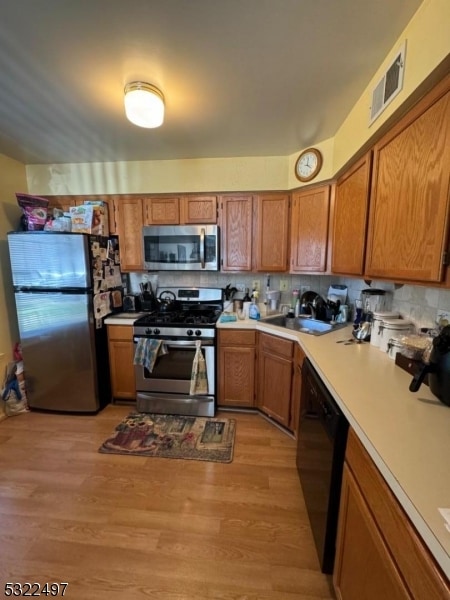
point(313, 309)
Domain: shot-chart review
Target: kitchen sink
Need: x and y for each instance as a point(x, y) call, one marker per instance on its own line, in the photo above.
point(303, 324)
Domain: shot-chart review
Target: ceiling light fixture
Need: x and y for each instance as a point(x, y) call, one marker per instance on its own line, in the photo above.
point(144, 104)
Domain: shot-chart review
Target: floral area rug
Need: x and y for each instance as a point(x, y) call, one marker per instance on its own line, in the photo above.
point(173, 436)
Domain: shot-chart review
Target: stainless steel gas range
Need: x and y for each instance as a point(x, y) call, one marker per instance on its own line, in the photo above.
point(184, 320)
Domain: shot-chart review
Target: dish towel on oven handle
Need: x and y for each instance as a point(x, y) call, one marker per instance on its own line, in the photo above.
point(199, 381)
point(147, 351)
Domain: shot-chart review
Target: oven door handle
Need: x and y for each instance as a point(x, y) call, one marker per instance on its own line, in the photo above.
point(202, 247)
point(181, 343)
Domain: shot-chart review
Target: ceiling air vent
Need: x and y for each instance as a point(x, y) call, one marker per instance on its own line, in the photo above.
point(389, 85)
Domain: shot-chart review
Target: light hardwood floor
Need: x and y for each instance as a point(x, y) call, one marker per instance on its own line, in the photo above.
point(124, 527)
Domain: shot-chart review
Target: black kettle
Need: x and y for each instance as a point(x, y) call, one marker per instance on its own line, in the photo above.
point(167, 302)
point(437, 368)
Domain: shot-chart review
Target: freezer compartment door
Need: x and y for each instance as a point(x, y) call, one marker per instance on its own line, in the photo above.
point(59, 352)
point(49, 260)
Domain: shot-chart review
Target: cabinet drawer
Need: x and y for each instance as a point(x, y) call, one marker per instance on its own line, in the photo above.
point(237, 337)
point(275, 345)
point(120, 332)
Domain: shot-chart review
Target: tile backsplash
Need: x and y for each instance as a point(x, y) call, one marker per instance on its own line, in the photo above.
point(419, 303)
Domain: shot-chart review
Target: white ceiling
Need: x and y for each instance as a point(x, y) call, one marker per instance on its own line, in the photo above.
point(240, 77)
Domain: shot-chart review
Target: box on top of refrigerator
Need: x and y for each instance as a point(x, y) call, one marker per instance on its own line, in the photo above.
point(90, 217)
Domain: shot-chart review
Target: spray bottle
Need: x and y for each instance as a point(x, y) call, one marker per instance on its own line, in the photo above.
point(254, 309)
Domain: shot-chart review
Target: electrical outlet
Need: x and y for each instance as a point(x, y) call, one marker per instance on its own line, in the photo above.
point(443, 318)
point(256, 285)
point(284, 285)
point(145, 278)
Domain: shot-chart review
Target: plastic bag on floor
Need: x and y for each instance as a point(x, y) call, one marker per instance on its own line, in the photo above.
point(13, 394)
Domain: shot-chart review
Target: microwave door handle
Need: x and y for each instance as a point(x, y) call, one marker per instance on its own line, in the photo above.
point(202, 247)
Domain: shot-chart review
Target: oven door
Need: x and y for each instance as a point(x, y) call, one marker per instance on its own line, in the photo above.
point(166, 389)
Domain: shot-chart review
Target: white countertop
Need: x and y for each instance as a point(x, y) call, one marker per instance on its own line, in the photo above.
point(407, 434)
point(124, 318)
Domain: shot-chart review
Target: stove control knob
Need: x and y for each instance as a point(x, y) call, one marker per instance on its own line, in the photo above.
point(198, 332)
point(148, 331)
point(189, 332)
point(156, 331)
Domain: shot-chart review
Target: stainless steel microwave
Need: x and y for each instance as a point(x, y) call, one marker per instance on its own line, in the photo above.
point(181, 247)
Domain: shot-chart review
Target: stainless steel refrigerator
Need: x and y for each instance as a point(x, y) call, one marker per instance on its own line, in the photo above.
point(64, 286)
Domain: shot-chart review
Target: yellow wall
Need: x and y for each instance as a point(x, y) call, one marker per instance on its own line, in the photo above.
point(12, 180)
point(428, 43)
point(158, 176)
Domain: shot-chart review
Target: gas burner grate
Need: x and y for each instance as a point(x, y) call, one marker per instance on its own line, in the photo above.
point(190, 317)
point(199, 319)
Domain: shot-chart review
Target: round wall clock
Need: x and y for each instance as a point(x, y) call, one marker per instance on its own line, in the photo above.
point(308, 164)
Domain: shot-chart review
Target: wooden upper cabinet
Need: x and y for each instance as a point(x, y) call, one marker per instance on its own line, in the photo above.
point(130, 223)
point(351, 211)
point(309, 229)
point(409, 205)
point(236, 232)
point(271, 227)
point(180, 210)
point(162, 211)
point(199, 209)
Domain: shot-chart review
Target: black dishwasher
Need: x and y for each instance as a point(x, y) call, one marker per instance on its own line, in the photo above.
point(322, 437)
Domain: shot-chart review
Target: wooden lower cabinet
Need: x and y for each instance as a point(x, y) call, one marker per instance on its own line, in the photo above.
point(296, 391)
point(379, 552)
point(263, 372)
point(121, 355)
point(275, 359)
point(365, 568)
point(237, 361)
